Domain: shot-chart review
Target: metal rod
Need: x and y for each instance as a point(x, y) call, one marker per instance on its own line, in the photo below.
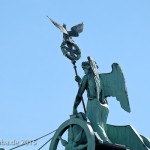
point(45, 144)
point(33, 140)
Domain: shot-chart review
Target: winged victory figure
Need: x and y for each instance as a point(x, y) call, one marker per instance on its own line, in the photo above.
point(99, 87)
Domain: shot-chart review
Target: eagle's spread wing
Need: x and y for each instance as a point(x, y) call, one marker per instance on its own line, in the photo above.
point(59, 26)
point(113, 84)
point(75, 30)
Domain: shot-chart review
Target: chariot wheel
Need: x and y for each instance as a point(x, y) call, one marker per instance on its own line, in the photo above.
point(85, 127)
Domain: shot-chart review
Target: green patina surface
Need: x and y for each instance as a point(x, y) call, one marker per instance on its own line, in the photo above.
point(93, 133)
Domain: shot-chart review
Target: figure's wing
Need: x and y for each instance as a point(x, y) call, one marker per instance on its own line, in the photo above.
point(59, 26)
point(75, 30)
point(113, 84)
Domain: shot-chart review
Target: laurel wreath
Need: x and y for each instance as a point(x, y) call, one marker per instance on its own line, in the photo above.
point(74, 54)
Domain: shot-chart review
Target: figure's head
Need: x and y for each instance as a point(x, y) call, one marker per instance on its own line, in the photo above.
point(86, 66)
point(89, 66)
point(64, 25)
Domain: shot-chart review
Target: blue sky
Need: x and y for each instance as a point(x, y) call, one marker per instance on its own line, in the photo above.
point(37, 87)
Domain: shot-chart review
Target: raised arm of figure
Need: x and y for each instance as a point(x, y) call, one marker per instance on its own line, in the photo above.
point(81, 90)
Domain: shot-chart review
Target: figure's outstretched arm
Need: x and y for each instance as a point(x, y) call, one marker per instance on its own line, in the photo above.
point(81, 90)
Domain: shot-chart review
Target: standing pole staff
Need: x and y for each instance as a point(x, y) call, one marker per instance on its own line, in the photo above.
point(69, 48)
